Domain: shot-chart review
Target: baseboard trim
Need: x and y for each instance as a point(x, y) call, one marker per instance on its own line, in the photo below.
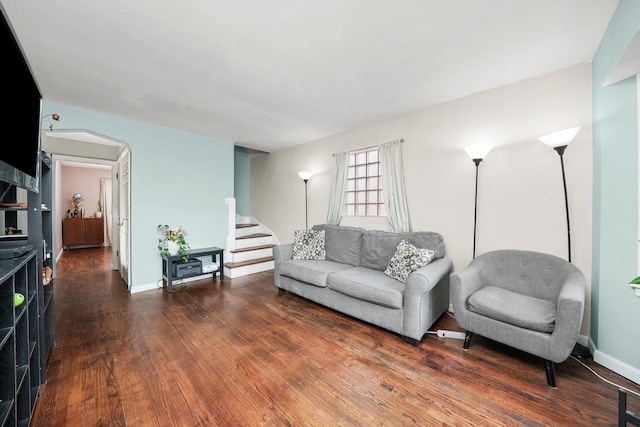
point(158, 285)
point(629, 372)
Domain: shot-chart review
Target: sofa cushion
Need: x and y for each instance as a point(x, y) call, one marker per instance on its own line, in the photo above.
point(368, 285)
point(311, 271)
point(309, 244)
point(516, 309)
point(406, 260)
point(379, 246)
point(342, 243)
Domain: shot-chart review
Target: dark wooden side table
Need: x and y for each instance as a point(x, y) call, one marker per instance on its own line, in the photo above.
point(168, 263)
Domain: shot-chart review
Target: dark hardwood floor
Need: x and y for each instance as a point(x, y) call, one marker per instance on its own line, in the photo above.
point(243, 354)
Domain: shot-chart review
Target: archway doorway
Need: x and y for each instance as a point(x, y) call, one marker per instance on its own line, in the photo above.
point(86, 149)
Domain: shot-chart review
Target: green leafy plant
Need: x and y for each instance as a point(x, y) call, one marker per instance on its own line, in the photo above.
point(635, 281)
point(173, 234)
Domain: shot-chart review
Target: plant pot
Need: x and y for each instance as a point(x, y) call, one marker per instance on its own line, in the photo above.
point(173, 247)
point(98, 214)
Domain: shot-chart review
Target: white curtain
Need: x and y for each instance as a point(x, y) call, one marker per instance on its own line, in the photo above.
point(105, 201)
point(395, 194)
point(338, 188)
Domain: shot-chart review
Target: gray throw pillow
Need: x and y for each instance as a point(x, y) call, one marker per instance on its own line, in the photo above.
point(406, 260)
point(309, 244)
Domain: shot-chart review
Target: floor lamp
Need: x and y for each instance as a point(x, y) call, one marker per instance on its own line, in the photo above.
point(305, 177)
point(477, 154)
point(559, 142)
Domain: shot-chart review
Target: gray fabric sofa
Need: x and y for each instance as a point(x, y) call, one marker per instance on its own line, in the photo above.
point(351, 279)
point(528, 300)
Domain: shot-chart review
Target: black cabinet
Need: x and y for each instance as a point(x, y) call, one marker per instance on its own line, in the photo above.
point(20, 339)
point(27, 332)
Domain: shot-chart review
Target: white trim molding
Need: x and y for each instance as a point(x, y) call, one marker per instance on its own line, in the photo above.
point(617, 366)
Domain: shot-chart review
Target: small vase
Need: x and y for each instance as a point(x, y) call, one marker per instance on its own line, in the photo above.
point(173, 247)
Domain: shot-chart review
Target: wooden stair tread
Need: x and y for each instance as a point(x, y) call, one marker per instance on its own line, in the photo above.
point(249, 262)
point(252, 236)
point(252, 248)
point(246, 225)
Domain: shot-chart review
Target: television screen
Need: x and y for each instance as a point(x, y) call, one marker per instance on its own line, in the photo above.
point(20, 158)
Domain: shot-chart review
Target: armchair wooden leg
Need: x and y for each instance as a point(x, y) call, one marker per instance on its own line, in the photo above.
point(549, 370)
point(467, 340)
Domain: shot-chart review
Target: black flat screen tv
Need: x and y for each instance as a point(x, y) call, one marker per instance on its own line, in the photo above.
point(19, 157)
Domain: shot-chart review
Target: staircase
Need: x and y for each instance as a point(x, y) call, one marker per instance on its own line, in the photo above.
point(252, 252)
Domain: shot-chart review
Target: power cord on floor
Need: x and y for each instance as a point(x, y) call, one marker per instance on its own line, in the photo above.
point(176, 283)
point(602, 378)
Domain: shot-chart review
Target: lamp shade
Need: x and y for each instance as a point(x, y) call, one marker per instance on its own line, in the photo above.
point(478, 151)
point(305, 175)
point(560, 138)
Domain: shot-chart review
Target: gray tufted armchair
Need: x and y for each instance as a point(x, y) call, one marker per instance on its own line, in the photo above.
point(527, 300)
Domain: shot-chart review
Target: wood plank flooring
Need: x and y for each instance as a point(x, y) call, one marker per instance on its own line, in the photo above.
point(244, 354)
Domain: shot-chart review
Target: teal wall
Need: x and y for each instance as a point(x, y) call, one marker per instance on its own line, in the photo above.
point(177, 178)
point(242, 177)
point(615, 310)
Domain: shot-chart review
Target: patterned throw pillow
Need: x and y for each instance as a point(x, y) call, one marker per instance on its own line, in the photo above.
point(309, 244)
point(406, 260)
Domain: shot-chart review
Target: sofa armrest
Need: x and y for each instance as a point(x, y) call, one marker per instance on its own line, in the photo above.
point(280, 253)
point(283, 252)
point(464, 283)
point(569, 315)
point(420, 296)
point(422, 280)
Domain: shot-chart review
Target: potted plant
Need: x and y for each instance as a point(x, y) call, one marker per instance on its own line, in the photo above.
point(99, 211)
point(172, 241)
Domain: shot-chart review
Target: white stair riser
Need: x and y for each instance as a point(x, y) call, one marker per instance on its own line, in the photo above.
point(249, 255)
point(257, 241)
point(245, 231)
point(248, 269)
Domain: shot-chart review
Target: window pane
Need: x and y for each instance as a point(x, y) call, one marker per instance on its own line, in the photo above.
point(361, 184)
point(360, 210)
point(372, 156)
point(361, 197)
point(372, 183)
point(372, 196)
point(350, 197)
point(352, 160)
point(372, 169)
point(361, 171)
point(349, 210)
point(361, 158)
point(382, 211)
point(372, 210)
point(351, 185)
point(351, 173)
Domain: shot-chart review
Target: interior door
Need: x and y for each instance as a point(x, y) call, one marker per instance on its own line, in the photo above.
point(124, 169)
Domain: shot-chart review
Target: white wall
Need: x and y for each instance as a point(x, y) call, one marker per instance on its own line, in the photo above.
point(520, 197)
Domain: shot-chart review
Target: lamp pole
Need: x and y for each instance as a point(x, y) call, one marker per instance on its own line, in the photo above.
point(306, 215)
point(559, 141)
point(475, 208)
point(305, 175)
point(560, 149)
point(477, 154)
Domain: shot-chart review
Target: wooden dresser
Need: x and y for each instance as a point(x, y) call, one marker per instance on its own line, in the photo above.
point(82, 232)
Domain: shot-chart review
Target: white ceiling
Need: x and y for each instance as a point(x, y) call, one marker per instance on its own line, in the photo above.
point(272, 74)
